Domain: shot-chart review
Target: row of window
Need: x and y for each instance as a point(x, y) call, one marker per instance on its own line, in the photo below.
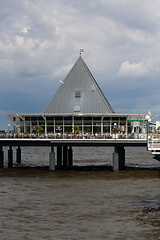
point(69, 124)
point(70, 119)
point(69, 129)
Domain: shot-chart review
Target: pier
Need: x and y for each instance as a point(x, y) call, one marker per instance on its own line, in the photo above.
point(64, 152)
point(78, 115)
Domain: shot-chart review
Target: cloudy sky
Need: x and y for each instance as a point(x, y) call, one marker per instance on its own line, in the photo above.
point(40, 42)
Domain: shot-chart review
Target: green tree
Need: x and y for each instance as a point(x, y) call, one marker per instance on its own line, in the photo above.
point(38, 129)
point(76, 129)
point(116, 129)
point(158, 129)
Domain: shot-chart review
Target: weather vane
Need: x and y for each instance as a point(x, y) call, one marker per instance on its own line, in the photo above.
point(81, 50)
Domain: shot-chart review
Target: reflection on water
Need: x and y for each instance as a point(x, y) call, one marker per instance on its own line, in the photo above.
point(39, 204)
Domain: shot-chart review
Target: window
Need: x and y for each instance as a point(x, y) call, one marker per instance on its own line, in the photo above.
point(77, 94)
point(77, 108)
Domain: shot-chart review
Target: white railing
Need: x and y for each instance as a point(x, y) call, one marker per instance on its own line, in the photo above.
point(74, 136)
point(154, 142)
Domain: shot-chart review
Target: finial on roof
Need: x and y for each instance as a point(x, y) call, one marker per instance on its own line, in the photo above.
point(81, 50)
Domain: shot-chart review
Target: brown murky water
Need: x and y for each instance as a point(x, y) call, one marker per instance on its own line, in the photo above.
point(39, 204)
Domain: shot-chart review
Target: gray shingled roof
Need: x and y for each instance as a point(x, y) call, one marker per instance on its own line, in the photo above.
point(79, 93)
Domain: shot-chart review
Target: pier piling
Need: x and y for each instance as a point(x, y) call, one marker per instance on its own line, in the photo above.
point(59, 156)
point(10, 157)
point(65, 149)
point(65, 156)
point(70, 156)
point(52, 159)
point(119, 158)
point(1, 157)
point(18, 155)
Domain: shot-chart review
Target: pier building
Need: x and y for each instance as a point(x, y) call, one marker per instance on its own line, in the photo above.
point(78, 106)
point(78, 109)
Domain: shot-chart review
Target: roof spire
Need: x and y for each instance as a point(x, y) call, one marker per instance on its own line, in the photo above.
point(81, 50)
point(79, 94)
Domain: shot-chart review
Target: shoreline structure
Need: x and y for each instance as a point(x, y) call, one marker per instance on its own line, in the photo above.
point(78, 114)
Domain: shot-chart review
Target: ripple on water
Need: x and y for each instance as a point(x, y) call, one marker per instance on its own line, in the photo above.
point(39, 204)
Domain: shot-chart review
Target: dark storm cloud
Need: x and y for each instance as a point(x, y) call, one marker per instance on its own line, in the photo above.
point(40, 41)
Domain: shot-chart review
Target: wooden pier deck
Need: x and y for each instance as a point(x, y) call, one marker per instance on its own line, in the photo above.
point(64, 157)
point(73, 142)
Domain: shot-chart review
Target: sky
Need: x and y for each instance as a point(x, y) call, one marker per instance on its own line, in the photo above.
point(40, 42)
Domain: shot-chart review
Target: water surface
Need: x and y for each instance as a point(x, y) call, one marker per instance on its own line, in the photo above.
point(40, 204)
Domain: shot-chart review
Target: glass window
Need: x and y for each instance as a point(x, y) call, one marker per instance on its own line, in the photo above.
point(88, 129)
point(68, 121)
point(77, 94)
point(68, 129)
point(115, 118)
point(50, 129)
point(77, 120)
point(106, 121)
point(97, 121)
point(106, 129)
point(59, 120)
point(50, 121)
point(122, 118)
point(96, 129)
point(87, 120)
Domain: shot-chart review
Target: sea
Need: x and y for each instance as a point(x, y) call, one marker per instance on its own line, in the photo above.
point(36, 203)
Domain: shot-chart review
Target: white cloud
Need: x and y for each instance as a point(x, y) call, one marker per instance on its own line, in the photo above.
point(133, 69)
point(25, 30)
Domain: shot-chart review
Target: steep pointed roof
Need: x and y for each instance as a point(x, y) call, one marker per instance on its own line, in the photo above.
point(79, 93)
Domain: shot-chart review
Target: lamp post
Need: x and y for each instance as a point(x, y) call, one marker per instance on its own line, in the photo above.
point(115, 124)
point(148, 119)
point(9, 127)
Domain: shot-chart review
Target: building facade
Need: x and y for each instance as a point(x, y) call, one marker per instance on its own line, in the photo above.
point(79, 123)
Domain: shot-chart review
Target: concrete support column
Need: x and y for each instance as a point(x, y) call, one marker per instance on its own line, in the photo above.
point(70, 156)
point(1, 157)
point(59, 156)
point(18, 155)
point(10, 157)
point(122, 158)
point(115, 161)
point(52, 159)
point(65, 156)
point(119, 158)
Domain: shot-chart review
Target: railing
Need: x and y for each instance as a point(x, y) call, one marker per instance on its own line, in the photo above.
point(73, 136)
point(154, 142)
